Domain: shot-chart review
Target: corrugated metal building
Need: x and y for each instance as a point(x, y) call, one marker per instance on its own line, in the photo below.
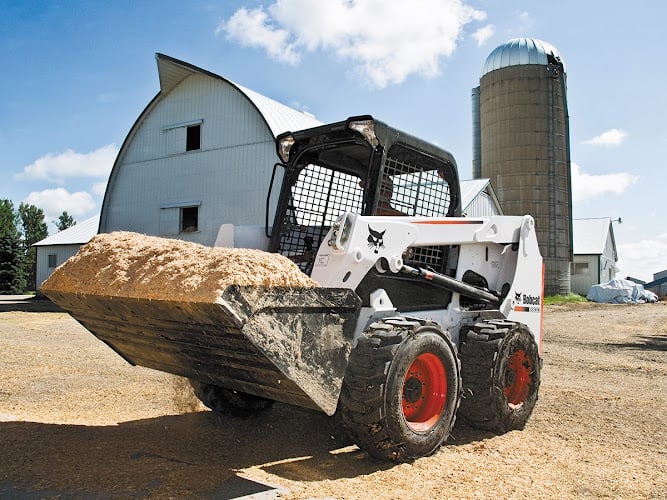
point(478, 199)
point(595, 255)
point(659, 284)
point(56, 249)
point(199, 156)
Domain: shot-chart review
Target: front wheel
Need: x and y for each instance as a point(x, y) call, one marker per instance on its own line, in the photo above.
point(401, 390)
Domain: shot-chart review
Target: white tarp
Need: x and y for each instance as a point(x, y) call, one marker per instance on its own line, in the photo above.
point(619, 291)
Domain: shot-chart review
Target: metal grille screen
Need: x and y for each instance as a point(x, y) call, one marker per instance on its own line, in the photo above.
point(319, 196)
point(422, 194)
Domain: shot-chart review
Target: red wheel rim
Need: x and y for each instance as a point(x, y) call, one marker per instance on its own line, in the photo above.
point(424, 392)
point(518, 378)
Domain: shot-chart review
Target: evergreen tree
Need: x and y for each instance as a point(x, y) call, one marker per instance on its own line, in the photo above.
point(11, 276)
point(34, 229)
point(8, 220)
point(65, 221)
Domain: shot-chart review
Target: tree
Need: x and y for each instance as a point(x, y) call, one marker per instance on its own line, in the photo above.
point(8, 220)
point(11, 275)
point(34, 229)
point(65, 221)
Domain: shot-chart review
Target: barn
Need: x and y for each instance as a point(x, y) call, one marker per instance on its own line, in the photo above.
point(54, 250)
point(478, 199)
point(200, 155)
point(595, 254)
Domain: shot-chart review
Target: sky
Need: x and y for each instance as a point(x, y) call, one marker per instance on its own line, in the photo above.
point(75, 75)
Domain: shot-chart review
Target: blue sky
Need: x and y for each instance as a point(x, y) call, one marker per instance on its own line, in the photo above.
point(77, 74)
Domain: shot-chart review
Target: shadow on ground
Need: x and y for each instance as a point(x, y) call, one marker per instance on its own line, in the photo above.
point(190, 455)
point(27, 303)
point(647, 343)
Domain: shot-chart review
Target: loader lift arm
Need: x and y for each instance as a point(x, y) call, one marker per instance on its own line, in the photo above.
point(453, 285)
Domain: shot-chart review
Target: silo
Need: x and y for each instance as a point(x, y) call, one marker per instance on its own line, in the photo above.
point(524, 145)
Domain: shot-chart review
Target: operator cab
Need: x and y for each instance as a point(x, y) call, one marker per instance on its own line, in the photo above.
point(364, 166)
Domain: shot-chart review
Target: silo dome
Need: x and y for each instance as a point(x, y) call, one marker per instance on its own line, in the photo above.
point(520, 51)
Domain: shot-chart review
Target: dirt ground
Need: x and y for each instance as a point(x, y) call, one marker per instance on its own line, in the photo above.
point(76, 421)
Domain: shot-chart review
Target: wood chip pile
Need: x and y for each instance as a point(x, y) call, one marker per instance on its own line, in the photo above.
point(134, 265)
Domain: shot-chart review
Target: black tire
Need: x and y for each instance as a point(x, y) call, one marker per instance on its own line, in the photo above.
point(386, 403)
point(230, 402)
point(500, 366)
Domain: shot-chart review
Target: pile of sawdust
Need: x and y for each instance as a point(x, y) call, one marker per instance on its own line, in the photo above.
point(134, 265)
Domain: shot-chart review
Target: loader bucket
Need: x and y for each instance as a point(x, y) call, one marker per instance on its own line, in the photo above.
point(286, 344)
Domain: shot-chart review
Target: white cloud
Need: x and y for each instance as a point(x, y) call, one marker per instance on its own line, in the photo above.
point(643, 258)
point(525, 19)
point(385, 40)
point(612, 137)
point(483, 34)
point(55, 201)
point(99, 188)
point(586, 186)
point(252, 28)
point(57, 167)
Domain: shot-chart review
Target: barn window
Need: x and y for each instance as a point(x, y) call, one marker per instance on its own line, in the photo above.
point(189, 219)
point(580, 268)
point(193, 138)
point(179, 217)
point(53, 260)
point(183, 137)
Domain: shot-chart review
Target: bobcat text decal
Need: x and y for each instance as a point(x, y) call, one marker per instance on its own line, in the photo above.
point(524, 302)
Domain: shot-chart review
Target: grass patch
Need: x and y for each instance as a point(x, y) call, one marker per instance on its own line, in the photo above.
point(570, 298)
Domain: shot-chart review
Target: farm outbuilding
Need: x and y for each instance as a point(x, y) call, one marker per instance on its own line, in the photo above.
point(595, 254)
point(54, 250)
point(199, 156)
point(478, 199)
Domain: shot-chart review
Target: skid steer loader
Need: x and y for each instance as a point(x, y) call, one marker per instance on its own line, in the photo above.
point(421, 315)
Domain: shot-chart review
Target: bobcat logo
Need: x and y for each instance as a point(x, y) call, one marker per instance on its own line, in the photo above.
point(517, 296)
point(375, 239)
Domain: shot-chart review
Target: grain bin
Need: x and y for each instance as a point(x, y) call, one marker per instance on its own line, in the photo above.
point(523, 145)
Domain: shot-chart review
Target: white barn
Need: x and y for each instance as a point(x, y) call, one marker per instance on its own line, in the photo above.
point(199, 156)
point(478, 199)
point(55, 250)
point(595, 254)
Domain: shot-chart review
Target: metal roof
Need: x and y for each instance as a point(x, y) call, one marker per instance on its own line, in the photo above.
point(78, 234)
point(279, 117)
point(520, 51)
point(590, 236)
point(471, 189)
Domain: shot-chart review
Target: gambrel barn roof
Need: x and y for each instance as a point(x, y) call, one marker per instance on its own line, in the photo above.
point(279, 118)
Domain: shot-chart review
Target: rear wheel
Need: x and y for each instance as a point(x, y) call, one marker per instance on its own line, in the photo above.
point(230, 402)
point(401, 390)
point(500, 366)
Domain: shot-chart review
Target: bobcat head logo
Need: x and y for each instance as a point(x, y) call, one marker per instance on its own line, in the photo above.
point(517, 296)
point(375, 239)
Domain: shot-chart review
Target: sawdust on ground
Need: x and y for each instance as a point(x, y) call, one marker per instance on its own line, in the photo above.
point(77, 421)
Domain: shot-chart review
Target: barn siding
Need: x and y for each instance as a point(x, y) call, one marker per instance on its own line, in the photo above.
point(481, 206)
point(229, 176)
point(62, 253)
point(581, 282)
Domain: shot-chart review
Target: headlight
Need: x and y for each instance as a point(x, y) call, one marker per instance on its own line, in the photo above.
point(367, 129)
point(286, 144)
